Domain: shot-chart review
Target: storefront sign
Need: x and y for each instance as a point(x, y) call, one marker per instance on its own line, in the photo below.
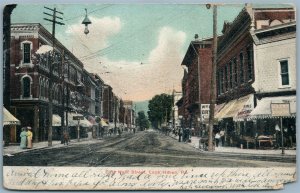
point(246, 109)
point(204, 112)
point(280, 109)
point(78, 117)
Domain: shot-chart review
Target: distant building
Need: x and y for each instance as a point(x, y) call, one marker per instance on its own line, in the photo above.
point(175, 114)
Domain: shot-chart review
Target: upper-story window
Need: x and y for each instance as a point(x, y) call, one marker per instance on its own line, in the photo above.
point(235, 73)
point(241, 68)
point(230, 75)
point(226, 78)
point(26, 86)
point(221, 82)
point(26, 47)
point(284, 73)
point(250, 62)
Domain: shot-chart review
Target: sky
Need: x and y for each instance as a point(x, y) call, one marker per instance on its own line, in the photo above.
point(135, 48)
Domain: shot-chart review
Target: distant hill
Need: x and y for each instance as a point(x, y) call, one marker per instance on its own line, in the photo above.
point(141, 106)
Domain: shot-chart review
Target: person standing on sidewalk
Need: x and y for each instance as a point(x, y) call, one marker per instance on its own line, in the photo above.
point(29, 138)
point(66, 138)
point(180, 134)
point(23, 135)
point(222, 136)
point(217, 137)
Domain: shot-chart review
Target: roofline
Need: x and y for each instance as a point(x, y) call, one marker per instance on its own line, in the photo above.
point(293, 23)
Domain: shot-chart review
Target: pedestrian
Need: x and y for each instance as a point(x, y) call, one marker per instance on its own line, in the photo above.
point(217, 138)
point(180, 134)
point(222, 135)
point(23, 135)
point(293, 134)
point(290, 136)
point(29, 138)
point(66, 138)
point(285, 136)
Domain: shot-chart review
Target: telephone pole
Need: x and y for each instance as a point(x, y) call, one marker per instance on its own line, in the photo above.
point(50, 94)
point(213, 80)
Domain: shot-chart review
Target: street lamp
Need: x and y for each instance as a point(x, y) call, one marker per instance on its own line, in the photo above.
point(213, 79)
point(86, 22)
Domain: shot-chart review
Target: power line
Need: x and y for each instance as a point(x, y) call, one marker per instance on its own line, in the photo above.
point(68, 19)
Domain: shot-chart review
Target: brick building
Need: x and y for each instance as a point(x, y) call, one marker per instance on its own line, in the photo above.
point(198, 69)
point(74, 90)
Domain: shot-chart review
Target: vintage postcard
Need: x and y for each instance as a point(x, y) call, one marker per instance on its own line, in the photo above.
point(149, 96)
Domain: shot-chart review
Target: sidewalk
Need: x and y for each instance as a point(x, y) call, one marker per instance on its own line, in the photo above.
point(195, 143)
point(14, 149)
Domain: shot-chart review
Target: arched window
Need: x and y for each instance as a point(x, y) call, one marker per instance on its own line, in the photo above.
point(26, 86)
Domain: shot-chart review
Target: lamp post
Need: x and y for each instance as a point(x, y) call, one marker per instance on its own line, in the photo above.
point(213, 79)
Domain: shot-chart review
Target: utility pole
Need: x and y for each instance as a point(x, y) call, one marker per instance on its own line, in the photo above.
point(213, 81)
point(50, 106)
point(63, 92)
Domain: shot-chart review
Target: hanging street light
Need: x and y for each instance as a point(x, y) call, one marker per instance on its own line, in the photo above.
point(86, 22)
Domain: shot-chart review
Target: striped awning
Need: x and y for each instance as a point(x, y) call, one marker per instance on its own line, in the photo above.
point(9, 119)
point(233, 108)
point(92, 120)
point(263, 108)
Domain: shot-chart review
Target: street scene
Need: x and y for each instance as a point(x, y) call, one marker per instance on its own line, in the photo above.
point(149, 85)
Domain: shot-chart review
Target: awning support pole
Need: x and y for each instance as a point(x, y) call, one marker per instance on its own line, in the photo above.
point(281, 129)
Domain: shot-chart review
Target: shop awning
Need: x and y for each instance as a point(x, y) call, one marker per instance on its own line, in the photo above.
point(233, 108)
point(224, 110)
point(56, 120)
point(263, 108)
point(111, 125)
point(9, 119)
point(92, 120)
point(103, 123)
point(85, 123)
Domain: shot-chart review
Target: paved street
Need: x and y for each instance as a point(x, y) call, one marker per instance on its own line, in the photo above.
point(149, 148)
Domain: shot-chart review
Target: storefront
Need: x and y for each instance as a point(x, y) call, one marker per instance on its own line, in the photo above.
point(266, 122)
point(232, 119)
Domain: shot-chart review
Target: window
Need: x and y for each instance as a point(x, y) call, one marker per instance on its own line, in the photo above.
point(235, 78)
point(222, 82)
point(230, 75)
point(226, 78)
point(250, 62)
point(26, 87)
point(218, 83)
point(241, 68)
point(284, 72)
point(26, 53)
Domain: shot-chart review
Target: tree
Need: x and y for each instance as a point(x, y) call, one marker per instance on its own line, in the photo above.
point(160, 108)
point(142, 120)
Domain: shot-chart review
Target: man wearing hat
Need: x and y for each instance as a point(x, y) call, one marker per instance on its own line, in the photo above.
point(29, 138)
